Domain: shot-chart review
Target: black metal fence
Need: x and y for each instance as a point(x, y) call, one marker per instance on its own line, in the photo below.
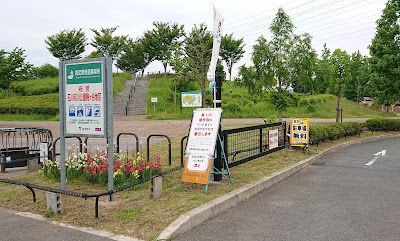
point(248, 143)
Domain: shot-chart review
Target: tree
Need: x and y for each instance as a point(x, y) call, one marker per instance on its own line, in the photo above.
point(13, 68)
point(354, 87)
point(231, 51)
point(134, 58)
point(160, 41)
point(340, 62)
point(192, 59)
point(385, 55)
point(323, 72)
point(67, 45)
point(107, 44)
point(277, 64)
point(46, 70)
point(94, 54)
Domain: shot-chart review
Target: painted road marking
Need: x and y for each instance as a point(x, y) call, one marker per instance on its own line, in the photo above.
point(377, 155)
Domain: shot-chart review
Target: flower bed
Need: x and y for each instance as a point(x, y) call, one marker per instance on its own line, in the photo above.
point(93, 167)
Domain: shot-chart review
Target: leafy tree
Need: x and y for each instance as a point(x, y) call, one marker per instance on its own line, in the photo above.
point(355, 85)
point(385, 55)
point(192, 59)
point(134, 58)
point(340, 62)
point(107, 44)
point(231, 51)
point(67, 45)
point(94, 54)
point(13, 68)
point(323, 72)
point(279, 63)
point(161, 41)
point(46, 70)
point(305, 58)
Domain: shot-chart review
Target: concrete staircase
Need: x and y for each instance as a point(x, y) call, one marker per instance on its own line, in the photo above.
point(136, 104)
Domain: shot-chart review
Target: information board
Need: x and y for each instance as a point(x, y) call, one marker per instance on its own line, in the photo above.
point(191, 99)
point(201, 145)
point(84, 99)
point(273, 139)
point(299, 131)
point(204, 130)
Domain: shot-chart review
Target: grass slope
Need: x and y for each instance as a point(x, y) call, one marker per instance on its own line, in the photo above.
point(38, 99)
point(238, 103)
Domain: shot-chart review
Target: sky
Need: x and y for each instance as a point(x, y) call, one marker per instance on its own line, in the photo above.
point(346, 24)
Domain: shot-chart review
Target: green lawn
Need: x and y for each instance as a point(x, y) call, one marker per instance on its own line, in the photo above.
point(238, 103)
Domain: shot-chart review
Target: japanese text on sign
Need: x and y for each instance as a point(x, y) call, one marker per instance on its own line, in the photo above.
point(203, 130)
point(299, 132)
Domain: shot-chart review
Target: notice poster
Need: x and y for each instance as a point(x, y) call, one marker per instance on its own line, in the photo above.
point(201, 145)
point(44, 152)
point(85, 99)
point(197, 162)
point(273, 141)
point(299, 133)
point(204, 130)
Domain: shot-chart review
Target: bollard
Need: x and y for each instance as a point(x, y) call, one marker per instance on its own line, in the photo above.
point(54, 202)
point(156, 187)
point(33, 165)
point(3, 163)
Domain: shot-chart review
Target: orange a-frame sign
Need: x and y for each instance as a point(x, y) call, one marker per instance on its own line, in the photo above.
point(201, 145)
point(197, 168)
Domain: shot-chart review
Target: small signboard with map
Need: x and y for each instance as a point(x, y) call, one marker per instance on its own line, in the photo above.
point(191, 99)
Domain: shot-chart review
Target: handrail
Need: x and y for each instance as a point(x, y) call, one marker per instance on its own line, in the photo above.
point(132, 89)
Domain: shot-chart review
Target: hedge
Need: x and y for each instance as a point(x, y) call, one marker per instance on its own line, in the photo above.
point(381, 123)
point(35, 104)
point(317, 132)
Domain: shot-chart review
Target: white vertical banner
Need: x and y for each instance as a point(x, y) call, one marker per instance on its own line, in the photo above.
point(217, 34)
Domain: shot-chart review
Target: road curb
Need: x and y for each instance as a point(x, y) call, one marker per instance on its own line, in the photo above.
point(196, 216)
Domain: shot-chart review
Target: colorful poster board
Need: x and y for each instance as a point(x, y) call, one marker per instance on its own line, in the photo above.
point(201, 143)
point(273, 139)
point(191, 99)
point(299, 131)
point(84, 99)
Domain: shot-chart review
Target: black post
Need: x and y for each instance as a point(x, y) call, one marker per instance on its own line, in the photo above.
point(218, 164)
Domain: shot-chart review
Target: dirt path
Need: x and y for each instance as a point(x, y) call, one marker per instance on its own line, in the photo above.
point(143, 127)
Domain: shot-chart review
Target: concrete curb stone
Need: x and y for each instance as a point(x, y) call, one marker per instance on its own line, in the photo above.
point(198, 215)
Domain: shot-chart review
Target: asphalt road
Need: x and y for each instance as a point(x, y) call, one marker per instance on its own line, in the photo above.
point(15, 227)
point(338, 198)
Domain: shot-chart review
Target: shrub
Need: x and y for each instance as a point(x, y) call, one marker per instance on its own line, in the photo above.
point(389, 124)
point(233, 108)
point(44, 71)
point(317, 132)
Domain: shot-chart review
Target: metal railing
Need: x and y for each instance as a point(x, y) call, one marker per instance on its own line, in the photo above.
point(248, 143)
point(131, 91)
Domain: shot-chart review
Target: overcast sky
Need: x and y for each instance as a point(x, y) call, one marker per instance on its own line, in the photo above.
point(345, 24)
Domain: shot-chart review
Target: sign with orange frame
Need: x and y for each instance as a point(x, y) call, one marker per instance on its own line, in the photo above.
point(201, 145)
point(197, 168)
point(299, 131)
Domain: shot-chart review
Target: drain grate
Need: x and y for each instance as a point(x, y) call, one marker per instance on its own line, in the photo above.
point(358, 166)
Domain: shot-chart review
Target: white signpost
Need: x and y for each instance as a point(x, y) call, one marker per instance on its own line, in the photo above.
point(86, 105)
point(273, 141)
point(44, 152)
